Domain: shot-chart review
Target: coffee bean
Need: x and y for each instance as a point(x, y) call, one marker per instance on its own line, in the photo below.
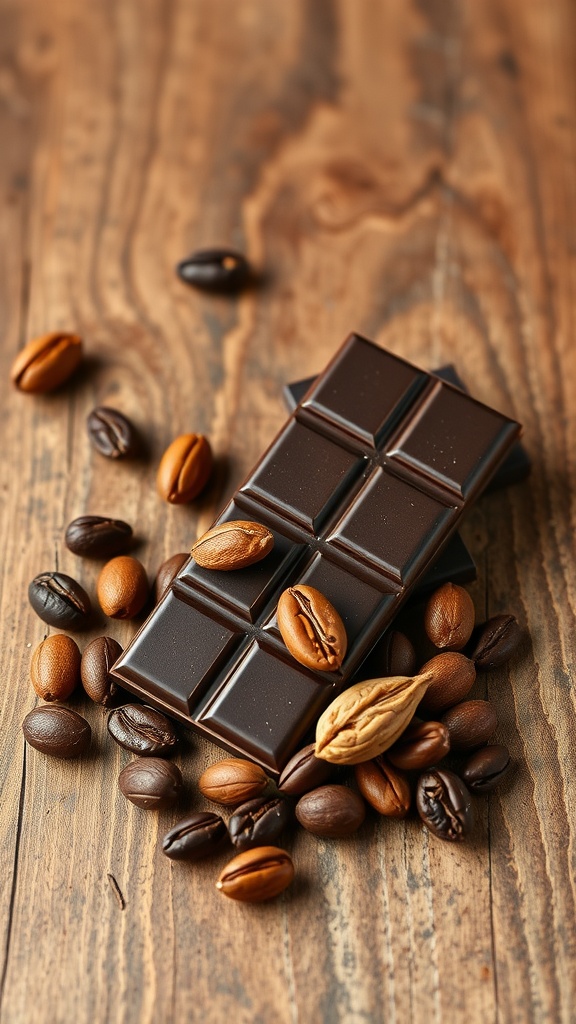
point(331, 811)
point(304, 772)
point(496, 642)
point(59, 600)
point(485, 769)
point(232, 781)
point(444, 804)
point(97, 536)
point(454, 675)
point(111, 433)
point(196, 836)
point(216, 270)
point(393, 655)
point(449, 617)
point(142, 730)
point(384, 787)
point(168, 572)
point(258, 822)
point(151, 783)
point(233, 545)
point(57, 731)
point(312, 629)
point(55, 669)
point(470, 724)
point(122, 587)
point(257, 875)
point(184, 469)
point(46, 362)
point(420, 746)
point(97, 660)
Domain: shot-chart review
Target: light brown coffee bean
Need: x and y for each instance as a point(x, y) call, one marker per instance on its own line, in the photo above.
point(184, 469)
point(122, 587)
point(57, 731)
point(384, 787)
point(46, 362)
point(449, 617)
point(167, 573)
point(233, 545)
point(97, 660)
point(257, 875)
point(470, 724)
point(151, 783)
point(420, 746)
point(453, 677)
point(331, 811)
point(232, 781)
point(312, 629)
point(55, 669)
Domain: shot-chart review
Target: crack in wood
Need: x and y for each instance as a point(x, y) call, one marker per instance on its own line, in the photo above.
point(117, 891)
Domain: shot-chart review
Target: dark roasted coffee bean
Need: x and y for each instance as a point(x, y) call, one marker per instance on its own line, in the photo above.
point(257, 875)
point(168, 572)
point(444, 804)
point(151, 783)
point(304, 772)
point(331, 811)
point(496, 642)
point(97, 660)
point(485, 769)
point(57, 731)
point(142, 730)
point(111, 433)
point(258, 822)
point(59, 600)
point(421, 745)
point(393, 655)
point(198, 835)
point(470, 724)
point(216, 270)
point(385, 787)
point(98, 536)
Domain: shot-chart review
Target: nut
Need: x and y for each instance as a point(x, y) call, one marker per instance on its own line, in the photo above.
point(233, 545)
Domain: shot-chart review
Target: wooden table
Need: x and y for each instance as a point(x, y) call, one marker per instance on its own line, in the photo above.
point(402, 169)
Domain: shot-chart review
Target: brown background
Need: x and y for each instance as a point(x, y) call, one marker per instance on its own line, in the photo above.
point(403, 169)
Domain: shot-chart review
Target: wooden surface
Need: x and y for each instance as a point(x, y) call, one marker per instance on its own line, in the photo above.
point(402, 169)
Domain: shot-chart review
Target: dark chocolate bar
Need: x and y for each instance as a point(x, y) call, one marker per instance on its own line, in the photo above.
point(362, 488)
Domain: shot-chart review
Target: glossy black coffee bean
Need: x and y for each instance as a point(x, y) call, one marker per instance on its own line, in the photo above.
point(444, 804)
point(142, 730)
point(486, 768)
point(196, 836)
point(258, 822)
point(98, 536)
point(111, 433)
point(217, 270)
point(59, 600)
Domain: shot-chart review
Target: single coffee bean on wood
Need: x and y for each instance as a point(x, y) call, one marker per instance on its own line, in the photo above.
point(486, 768)
point(453, 678)
point(197, 836)
point(142, 730)
point(60, 601)
point(312, 629)
point(232, 781)
point(97, 660)
point(331, 811)
point(46, 362)
point(384, 787)
point(151, 783)
point(470, 724)
point(304, 772)
point(55, 669)
point(496, 641)
point(233, 545)
point(216, 270)
point(111, 433)
point(257, 875)
point(168, 572)
point(97, 536)
point(449, 617)
point(56, 731)
point(258, 822)
point(122, 587)
point(444, 804)
point(185, 469)
point(420, 746)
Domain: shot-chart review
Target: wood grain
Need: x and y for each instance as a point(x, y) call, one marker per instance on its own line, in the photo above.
point(404, 170)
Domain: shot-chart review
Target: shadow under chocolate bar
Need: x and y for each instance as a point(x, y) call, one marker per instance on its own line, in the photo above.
point(362, 489)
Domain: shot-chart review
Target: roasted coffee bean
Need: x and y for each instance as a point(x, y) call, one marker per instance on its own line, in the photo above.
point(97, 660)
point(142, 730)
point(331, 811)
point(454, 675)
point(384, 787)
point(311, 628)
point(470, 724)
point(55, 669)
point(97, 536)
point(59, 600)
point(393, 655)
point(304, 772)
point(151, 783)
point(111, 433)
point(46, 362)
point(444, 804)
point(122, 587)
point(485, 769)
point(233, 545)
point(420, 746)
point(215, 270)
point(168, 572)
point(449, 617)
point(258, 822)
point(57, 731)
point(257, 875)
point(197, 836)
point(185, 469)
point(232, 781)
point(496, 642)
